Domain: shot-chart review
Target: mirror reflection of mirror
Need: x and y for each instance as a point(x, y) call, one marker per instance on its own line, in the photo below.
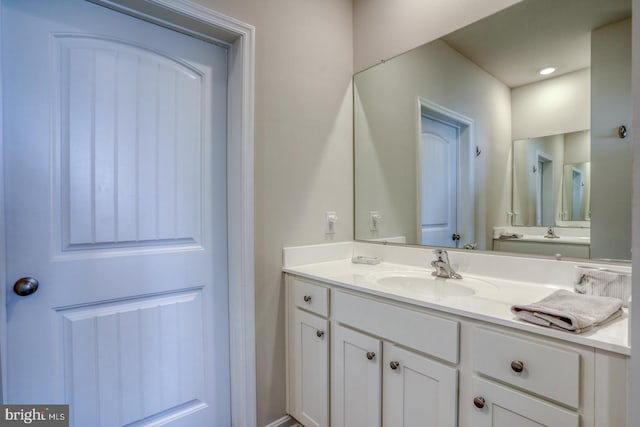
point(438, 132)
point(576, 194)
point(551, 181)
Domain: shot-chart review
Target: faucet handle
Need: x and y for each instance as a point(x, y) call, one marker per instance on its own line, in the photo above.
point(441, 254)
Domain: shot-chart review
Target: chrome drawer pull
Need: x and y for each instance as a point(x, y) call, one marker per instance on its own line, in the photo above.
point(371, 355)
point(478, 402)
point(394, 365)
point(517, 366)
point(307, 298)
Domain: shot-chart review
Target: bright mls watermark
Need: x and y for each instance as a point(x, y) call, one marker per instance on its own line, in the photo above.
point(34, 415)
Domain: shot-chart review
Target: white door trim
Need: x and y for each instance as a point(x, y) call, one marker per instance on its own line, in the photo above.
point(201, 22)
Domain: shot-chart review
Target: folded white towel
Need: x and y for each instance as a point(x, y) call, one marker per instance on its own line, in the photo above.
point(569, 311)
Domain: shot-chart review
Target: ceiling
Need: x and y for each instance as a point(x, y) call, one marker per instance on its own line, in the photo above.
point(514, 44)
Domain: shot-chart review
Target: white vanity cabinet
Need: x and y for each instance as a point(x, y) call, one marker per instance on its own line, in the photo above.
point(496, 405)
point(551, 248)
point(309, 361)
point(514, 378)
point(417, 391)
point(535, 368)
point(356, 359)
point(414, 388)
point(371, 376)
point(356, 378)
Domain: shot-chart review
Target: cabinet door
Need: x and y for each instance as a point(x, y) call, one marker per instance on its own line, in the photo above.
point(311, 358)
point(355, 378)
point(417, 391)
point(499, 406)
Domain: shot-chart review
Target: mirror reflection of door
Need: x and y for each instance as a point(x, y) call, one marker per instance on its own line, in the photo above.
point(577, 195)
point(544, 190)
point(438, 170)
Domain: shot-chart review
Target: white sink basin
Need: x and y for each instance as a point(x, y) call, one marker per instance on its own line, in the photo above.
point(423, 282)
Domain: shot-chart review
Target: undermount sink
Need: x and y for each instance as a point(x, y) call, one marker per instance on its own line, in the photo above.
point(423, 282)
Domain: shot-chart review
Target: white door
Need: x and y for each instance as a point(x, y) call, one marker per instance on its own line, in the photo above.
point(437, 181)
point(311, 348)
point(115, 171)
point(355, 378)
point(498, 406)
point(417, 391)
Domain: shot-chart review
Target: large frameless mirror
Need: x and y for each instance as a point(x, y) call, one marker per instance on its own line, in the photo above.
point(463, 143)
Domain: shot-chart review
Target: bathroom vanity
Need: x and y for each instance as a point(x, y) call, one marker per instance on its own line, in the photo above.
point(390, 345)
point(567, 242)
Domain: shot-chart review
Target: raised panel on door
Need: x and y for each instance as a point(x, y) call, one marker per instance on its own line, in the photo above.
point(115, 165)
point(505, 407)
point(355, 378)
point(311, 359)
point(417, 391)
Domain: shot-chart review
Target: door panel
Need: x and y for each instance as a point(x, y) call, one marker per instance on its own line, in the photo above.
point(417, 391)
point(140, 355)
point(127, 178)
point(438, 166)
point(311, 343)
point(355, 378)
point(115, 171)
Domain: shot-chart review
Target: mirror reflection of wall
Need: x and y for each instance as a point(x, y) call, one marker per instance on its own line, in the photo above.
point(487, 72)
point(385, 109)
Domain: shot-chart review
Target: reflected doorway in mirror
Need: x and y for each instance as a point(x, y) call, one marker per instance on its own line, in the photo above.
point(445, 154)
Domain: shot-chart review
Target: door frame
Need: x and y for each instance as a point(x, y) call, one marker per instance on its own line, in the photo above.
point(576, 172)
point(238, 37)
point(542, 196)
point(465, 161)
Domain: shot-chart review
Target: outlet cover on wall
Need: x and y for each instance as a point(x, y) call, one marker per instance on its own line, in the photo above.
point(330, 220)
point(374, 220)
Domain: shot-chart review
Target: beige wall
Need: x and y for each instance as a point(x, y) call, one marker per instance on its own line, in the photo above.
point(611, 164)
point(384, 29)
point(552, 106)
point(634, 418)
point(303, 153)
point(577, 147)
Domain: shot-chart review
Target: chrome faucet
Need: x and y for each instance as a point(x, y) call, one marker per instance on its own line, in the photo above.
point(551, 234)
point(442, 266)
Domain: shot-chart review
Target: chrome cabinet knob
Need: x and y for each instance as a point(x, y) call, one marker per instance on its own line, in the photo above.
point(307, 298)
point(394, 364)
point(319, 333)
point(371, 355)
point(479, 402)
point(25, 286)
point(517, 366)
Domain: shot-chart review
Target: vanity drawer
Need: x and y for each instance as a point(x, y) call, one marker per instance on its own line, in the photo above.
point(530, 365)
point(311, 297)
point(420, 331)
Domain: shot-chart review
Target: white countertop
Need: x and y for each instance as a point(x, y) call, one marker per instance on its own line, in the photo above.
point(491, 302)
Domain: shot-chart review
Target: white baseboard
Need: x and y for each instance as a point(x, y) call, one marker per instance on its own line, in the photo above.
point(285, 421)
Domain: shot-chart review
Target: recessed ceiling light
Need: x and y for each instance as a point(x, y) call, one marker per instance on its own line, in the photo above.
point(546, 71)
